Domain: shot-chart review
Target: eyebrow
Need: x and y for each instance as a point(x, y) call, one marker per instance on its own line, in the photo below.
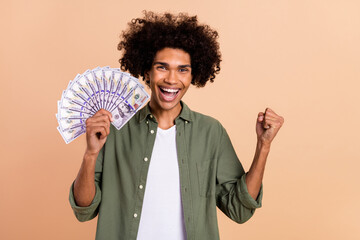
point(167, 65)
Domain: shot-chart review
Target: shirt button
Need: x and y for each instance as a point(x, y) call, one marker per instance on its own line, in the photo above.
point(152, 131)
point(141, 186)
point(135, 215)
point(151, 116)
point(147, 122)
point(186, 122)
point(146, 159)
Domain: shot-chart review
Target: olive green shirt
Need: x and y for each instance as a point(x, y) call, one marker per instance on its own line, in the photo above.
point(210, 175)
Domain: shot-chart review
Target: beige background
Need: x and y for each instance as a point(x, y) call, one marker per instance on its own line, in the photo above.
point(301, 58)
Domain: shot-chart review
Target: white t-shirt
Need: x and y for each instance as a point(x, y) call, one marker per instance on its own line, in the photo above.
point(162, 215)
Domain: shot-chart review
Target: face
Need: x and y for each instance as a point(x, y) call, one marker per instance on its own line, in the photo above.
point(123, 109)
point(170, 77)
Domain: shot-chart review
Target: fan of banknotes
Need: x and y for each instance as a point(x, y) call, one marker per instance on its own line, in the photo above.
point(102, 87)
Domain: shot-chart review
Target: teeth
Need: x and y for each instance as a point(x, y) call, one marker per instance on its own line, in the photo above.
point(170, 90)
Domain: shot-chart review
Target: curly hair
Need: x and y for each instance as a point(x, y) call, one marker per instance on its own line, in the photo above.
point(154, 32)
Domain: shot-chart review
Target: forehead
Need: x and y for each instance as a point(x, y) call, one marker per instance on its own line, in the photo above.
point(172, 56)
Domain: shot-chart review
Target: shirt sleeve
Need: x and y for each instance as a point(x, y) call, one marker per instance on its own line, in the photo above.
point(232, 196)
point(87, 213)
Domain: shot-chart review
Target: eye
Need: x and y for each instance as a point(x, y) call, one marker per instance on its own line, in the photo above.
point(160, 67)
point(183, 70)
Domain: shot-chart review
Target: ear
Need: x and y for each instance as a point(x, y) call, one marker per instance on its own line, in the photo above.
point(146, 75)
point(147, 78)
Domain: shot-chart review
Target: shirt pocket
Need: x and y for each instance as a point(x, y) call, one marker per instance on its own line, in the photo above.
point(206, 177)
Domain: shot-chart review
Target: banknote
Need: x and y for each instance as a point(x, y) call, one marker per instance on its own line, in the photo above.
point(137, 98)
point(82, 87)
point(100, 88)
point(122, 114)
point(126, 81)
point(130, 85)
point(69, 98)
point(89, 76)
point(72, 134)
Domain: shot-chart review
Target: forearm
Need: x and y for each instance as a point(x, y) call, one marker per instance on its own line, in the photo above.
point(255, 175)
point(84, 185)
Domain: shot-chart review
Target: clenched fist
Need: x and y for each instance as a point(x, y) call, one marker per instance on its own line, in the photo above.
point(267, 126)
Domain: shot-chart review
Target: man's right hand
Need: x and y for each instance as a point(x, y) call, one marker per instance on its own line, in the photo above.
point(97, 130)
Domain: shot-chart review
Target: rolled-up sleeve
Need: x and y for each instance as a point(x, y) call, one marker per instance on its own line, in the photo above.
point(87, 213)
point(232, 196)
point(246, 198)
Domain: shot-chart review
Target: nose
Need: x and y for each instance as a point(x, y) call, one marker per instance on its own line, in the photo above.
point(171, 78)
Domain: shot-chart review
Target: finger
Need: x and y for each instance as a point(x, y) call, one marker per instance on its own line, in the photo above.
point(99, 124)
point(102, 134)
point(272, 124)
point(95, 130)
point(278, 119)
point(266, 125)
point(266, 122)
point(260, 117)
point(269, 111)
point(102, 112)
point(98, 118)
point(267, 117)
point(105, 124)
point(103, 119)
point(107, 132)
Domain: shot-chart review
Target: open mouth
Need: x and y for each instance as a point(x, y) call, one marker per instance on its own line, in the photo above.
point(169, 94)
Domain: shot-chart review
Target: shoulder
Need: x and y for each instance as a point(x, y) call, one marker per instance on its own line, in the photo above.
point(206, 123)
point(204, 119)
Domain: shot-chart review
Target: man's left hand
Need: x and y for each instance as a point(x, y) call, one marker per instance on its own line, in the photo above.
point(267, 126)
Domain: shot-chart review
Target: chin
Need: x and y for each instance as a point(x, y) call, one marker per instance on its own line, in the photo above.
point(169, 105)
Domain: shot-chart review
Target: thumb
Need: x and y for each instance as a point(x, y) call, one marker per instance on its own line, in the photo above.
point(260, 117)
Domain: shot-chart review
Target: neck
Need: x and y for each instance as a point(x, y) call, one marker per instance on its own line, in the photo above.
point(165, 118)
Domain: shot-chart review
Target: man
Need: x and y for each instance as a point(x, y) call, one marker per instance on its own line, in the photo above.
point(162, 175)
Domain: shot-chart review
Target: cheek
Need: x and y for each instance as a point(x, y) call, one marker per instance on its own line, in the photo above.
point(187, 81)
point(155, 79)
point(152, 83)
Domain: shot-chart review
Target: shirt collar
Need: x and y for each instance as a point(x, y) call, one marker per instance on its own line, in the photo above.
point(185, 113)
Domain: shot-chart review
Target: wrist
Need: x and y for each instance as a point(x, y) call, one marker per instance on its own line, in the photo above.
point(90, 156)
point(262, 145)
